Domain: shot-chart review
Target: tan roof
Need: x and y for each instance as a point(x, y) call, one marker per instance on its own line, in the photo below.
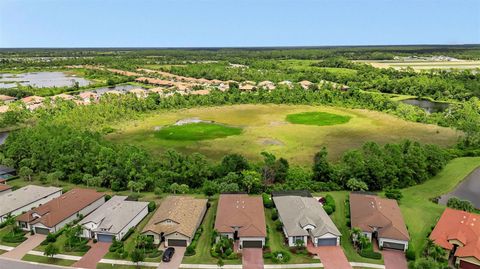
point(155, 81)
point(88, 95)
point(3, 109)
point(185, 213)
point(63, 96)
point(61, 208)
point(242, 211)
point(200, 92)
point(33, 99)
point(6, 98)
point(370, 211)
point(157, 90)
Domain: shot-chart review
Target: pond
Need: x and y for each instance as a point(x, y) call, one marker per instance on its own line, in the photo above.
point(468, 189)
point(41, 80)
point(121, 88)
point(427, 105)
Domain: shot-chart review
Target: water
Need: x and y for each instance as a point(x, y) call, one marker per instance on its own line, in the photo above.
point(468, 189)
point(41, 80)
point(429, 106)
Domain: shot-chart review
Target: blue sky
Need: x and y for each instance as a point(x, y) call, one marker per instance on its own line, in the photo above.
point(232, 23)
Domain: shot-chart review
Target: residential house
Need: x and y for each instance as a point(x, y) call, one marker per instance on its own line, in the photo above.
point(458, 232)
point(7, 99)
point(63, 96)
point(88, 97)
point(379, 219)
point(286, 83)
point(26, 198)
point(114, 219)
point(176, 220)
point(7, 172)
point(55, 214)
point(304, 219)
point(139, 92)
point(241, 218)
point(155, 81)
point(247, 86)
point(305, 84)
point(267, 85)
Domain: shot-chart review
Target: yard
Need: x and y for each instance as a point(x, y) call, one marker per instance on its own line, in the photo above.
point(47, 260)
point(60, 244)
point(5, 230)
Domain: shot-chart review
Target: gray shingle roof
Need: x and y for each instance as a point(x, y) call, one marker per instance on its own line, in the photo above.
point(24, 196)
point(297, 212)
point(115, 214)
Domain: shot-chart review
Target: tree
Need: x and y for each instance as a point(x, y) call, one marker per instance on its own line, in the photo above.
point(268, 169)
point(220, 263)
point(54, 177)
point(210, 188)
point(464, 205)
point(251, 180)
point(175, 187)
point(51, 250)
point(393, 194)
point(322, 171)
point(235, 163)
point(183, 188)
point(137, 256)
point(281, 170)
point(356, 185)
point(25, 173)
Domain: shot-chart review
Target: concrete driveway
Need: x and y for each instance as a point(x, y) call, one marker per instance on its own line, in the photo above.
point(175, 261)
point(252, 258)
point(32, 242)
point(93, 256)
point(332, 257)
point(394, 259)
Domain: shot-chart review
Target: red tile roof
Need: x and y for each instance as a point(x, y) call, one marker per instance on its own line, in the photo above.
point(61, 208)
point(458, 225)
point(242, 211)
point(4, 187)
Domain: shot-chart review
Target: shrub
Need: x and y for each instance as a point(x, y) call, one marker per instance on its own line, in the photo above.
point(232, 256)
point(190, 251)
point(410, 254)
point(280, 257)
point(151, 206)
point(393, 194)
point(369, 253)
point(267, 201)
point(94, 240)
point(328, 209)
point(14, 238)
point(329, 201)
point(279, 225)
point(274, 215)
point(267, 255)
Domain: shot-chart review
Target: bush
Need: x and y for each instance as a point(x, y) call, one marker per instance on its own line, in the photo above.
point(279, 225)
point(280, 257)
point(410, 254)
point(267, 255)
point(329, 202)
point(232, 256)
point(328, 209)
point(94, 240)
point(274, 215)
point(393, 194)
point(151, 206)
point(369, 253)
point(190, 251)
point(267, 201)
point(14, 238)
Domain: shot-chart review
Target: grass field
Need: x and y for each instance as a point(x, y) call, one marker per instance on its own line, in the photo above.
point(317, 118)
point(196, 131)
point(265, 129)
point(425, 65)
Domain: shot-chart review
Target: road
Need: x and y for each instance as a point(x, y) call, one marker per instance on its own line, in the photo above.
point(16, 264)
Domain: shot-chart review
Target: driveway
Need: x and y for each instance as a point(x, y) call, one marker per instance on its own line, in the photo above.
point(32, 242)
point(93, 256)
point(394, 259)
point(252, 258)
point(332, 257)
point(175, 261)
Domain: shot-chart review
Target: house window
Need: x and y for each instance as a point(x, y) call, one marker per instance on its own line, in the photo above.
point(297, 238)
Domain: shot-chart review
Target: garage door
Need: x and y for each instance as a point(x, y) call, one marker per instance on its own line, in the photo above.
point(327, 241)
point(393, 245)
point(177, 243)
point(252, 244)
point(467, 265)
point(41, 230)
point(105, 238)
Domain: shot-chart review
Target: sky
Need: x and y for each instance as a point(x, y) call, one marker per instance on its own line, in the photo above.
point(236, 23)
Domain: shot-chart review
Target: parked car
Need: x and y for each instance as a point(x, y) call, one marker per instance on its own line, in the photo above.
point(168, 254)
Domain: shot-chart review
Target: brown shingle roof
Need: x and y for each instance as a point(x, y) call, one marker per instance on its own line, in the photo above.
point(60, 208)
point(369, 211)
point(243, 211)
point(184, 211)
point(458, 225)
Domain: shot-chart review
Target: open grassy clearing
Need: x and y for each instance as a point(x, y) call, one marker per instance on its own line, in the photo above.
point(265, 129)
point(317, 118)
point(425, 65)
point(196, 131)
point(47, 260)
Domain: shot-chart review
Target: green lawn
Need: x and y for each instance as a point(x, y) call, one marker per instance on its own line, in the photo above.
point(110, 266)
point(3, 232)
point(276, 241)
point(265, 129)
point(196, 131)
point(48, 260)
point(317, 118)
point(419, 213)
point(338, 218)
point(60, 244)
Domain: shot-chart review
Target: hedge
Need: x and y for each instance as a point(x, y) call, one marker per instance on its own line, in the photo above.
point(369, 253)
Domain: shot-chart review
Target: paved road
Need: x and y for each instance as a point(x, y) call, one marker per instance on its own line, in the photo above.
point(32, 242)
point(94, 255)
point(468, 189)
point(16, 264)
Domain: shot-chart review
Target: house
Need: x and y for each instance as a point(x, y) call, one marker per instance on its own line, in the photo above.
point(267, 85)
point(305, 84)
point(7, 172)
point(139, 92)
point(176, 220)
point(304, 219)
point(241, 217)
point(155, 81)
point(88, 97)
point(114, 92)
point(113, 219)
point(63, 96)
point(26, 198)
point(7, 99)
point(30, 100)
point(158, 90)
point(286, 83)
point(4, 189)
point(380, 219)
point(4, 108)
point(200, 92)
point(53, 215)
point(458, 232)
point(247, 86)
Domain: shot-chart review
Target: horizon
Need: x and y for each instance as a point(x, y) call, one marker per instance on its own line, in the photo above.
point(236, 24)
